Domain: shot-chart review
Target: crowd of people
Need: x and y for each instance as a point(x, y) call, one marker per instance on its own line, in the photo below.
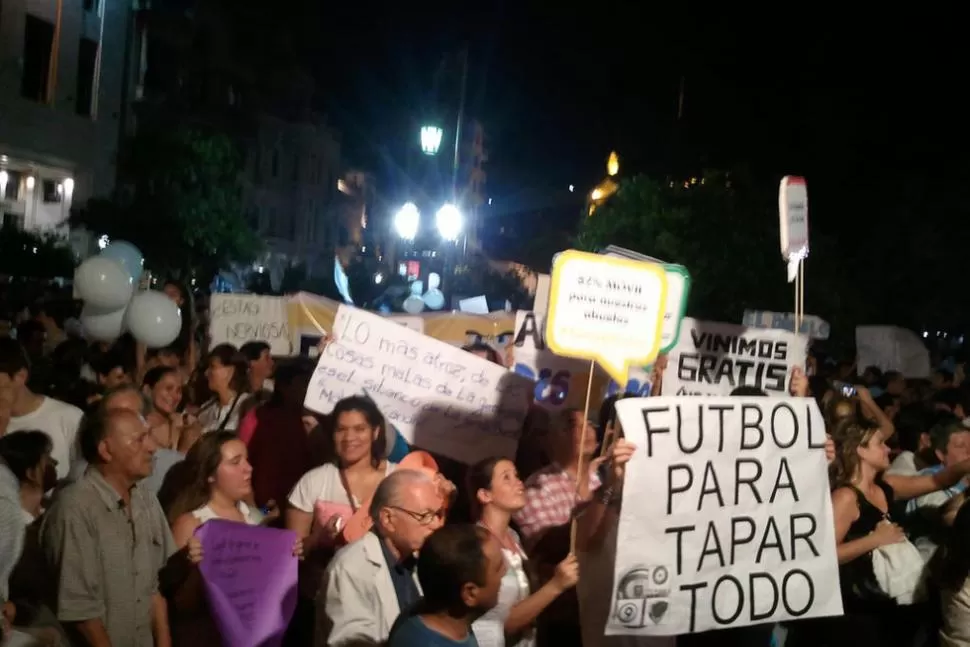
point(112, 456)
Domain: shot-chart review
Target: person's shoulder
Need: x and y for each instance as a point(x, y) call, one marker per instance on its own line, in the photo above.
point(71, 501)
point(324, 473)
point(408, 631)
point(63, 409)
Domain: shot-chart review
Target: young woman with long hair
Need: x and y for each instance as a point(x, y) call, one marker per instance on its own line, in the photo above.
point(220, 482)
point(497, 493)
point(862, 498)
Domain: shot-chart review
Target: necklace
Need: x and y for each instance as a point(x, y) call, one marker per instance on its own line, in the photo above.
point(508, 543)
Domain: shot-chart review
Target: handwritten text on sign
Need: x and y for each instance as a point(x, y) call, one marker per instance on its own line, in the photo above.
point(250, 578)
point(606, 309)
point(439, 397)
point(239, 318)
point(727, 519)
point(716, 358)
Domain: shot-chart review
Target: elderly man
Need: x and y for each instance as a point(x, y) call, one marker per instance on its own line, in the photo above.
point(372, 580)
point(106, 539)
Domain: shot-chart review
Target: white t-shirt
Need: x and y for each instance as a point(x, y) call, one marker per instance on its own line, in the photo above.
point(323, 484)
point(211, 415)
point(60, 421)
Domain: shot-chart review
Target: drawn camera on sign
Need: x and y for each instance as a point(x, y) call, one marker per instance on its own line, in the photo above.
point(641, 596)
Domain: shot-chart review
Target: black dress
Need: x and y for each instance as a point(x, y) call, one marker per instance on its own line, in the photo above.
point(871, 617)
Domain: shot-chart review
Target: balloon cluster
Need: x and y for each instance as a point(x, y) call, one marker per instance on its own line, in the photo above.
point(107, 285)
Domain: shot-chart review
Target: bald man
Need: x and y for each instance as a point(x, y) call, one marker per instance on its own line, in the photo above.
point(106, 538)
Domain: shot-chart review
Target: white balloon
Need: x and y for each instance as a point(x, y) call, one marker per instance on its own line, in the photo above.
point(413, 305)
point(153, 319)
point(102, 325)
point(434, 299)
point(103, 283)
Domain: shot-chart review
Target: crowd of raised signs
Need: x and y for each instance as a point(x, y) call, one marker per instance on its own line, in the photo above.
point(114, 458)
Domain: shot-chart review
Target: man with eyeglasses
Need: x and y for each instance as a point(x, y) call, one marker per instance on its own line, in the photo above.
point(371, 581)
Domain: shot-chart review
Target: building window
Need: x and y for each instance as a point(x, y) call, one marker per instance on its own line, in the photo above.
point(38, 38)
point(87, 56)
point(14, 220)
point(53, 191)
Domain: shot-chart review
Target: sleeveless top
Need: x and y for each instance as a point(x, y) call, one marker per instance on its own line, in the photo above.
point(490, 628)
point(860, 591)
point(205, 513)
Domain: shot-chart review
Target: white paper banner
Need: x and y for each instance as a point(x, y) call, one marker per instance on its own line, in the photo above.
point(239, 318)
point(439, 397)
point(726, 518)
point(716, 358)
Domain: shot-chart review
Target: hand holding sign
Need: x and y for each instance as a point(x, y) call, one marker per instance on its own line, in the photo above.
point(250, 580)
point(610, 310)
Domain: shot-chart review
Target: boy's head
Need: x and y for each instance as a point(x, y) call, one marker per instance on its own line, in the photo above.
point(461, 568)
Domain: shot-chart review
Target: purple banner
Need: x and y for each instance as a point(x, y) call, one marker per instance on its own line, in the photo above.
point(250, 581)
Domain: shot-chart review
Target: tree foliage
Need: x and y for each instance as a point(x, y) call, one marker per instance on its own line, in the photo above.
point(179, 201)
point(724, 229)
point(478, 277)
point(26, 254)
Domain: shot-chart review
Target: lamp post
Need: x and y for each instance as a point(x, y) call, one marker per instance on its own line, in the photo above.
point(431, 139)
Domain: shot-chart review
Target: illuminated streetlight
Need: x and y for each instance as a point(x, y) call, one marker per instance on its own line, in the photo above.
point(406, 221)
point(431, 139)
point(450, 222)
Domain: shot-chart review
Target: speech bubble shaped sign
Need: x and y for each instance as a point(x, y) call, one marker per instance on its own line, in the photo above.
point(610, 310)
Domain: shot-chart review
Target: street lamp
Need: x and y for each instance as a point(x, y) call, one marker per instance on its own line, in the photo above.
point(450, 222)
point(407, 220)
point(431, 139)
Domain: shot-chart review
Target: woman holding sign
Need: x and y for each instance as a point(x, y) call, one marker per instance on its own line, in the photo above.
point(222, 480)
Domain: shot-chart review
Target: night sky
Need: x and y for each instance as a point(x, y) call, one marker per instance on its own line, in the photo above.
point(870, 108)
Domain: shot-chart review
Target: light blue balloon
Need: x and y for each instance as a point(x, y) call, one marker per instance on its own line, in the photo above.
point(126, 255)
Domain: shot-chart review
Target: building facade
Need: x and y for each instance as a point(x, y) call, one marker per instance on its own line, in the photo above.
point(290, 183)
point(63, 97)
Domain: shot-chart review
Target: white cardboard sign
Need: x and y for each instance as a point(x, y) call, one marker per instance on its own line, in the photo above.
point(726, 519)
point(439, 397)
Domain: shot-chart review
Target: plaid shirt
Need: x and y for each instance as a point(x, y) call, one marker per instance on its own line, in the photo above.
point(550, 500)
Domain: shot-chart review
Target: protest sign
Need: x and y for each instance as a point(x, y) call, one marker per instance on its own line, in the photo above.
point(678, 289)
point(814, 327)
point(250, 577)
point(560, 382)
point(439, 397)
point(239, 318)
point(606, 309)
point(311, 316)
point(716, 358)
point(726, 518)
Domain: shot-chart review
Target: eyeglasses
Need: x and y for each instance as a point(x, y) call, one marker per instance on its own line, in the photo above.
point(423, 518)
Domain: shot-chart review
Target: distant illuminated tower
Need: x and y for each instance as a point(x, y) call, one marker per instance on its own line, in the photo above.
point(602, 191)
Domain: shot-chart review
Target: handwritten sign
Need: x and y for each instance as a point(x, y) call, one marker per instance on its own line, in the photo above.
point(793, 217)
point(250, 577)
point(439, 397)
point(726, 518)
point(606, 309)
point(678, 289)
point(716, 358)
point(239, 318)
